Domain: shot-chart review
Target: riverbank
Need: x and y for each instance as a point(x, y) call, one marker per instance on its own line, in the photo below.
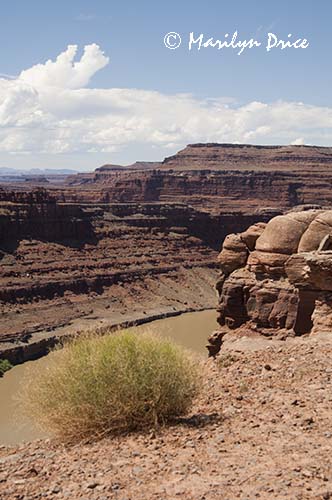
point(187, 330)
point(187, 290)
point(261, 429)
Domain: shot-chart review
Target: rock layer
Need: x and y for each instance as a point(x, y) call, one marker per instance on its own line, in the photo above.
point(64, 256)
point(100, 236)
point(219, 178)
point(249, 156)
point(272, 286)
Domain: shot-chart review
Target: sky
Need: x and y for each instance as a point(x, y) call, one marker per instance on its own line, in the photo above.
point(86, 83)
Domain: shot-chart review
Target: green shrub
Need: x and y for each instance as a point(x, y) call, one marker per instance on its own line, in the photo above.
point(124, 381)
point(5, 365)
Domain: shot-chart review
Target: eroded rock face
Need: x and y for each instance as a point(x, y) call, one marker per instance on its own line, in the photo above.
point(69, 255)
point(247, 156)
point(277, 277)
point(234, 253)
point(61, 261)
point(217, 177)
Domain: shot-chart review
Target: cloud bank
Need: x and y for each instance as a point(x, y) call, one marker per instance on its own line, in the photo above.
point(48, 108)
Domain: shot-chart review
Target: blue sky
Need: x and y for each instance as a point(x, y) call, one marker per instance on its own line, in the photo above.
point(131, 34)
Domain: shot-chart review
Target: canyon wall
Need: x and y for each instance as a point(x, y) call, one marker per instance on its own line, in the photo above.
point(105, 263)
point(219, 178)
point(216, 156)
point(123, 241)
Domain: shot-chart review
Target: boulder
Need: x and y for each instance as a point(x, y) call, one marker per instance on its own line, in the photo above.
point(250, 236)
point(234, 254)
point(214, 343)
point(283, 233)
point(320, 227)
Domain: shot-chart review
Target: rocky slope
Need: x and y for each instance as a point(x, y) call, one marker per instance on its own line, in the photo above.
point(261, 429)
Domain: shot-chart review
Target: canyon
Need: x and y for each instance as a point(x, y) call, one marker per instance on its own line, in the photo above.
point(122, 245)
point(244, 229)
point(61, 262)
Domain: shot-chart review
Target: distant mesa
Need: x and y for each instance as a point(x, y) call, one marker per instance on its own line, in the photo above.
point(215, 177)
point(208, 156)
point(216, 156)
point(4, 171)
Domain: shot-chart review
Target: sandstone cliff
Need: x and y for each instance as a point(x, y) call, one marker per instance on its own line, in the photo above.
point(64, 255)
point(276, 278)
point(64, 248)
point(218, 178)
point(216, 156)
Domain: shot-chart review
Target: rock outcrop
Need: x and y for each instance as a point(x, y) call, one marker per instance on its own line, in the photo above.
point(37, 214)
point(276, 278)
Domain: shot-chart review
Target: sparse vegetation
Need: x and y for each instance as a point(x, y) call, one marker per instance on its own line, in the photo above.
point(100, 385)
point(5, 365)
point(227, 359)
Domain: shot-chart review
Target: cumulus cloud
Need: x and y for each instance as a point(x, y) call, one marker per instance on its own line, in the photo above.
point(64, 72)
point(48, 108)
point(298, 142)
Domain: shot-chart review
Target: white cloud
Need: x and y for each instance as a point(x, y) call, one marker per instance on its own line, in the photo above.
point(298, 142)
point(64, 72)
point(48, 109)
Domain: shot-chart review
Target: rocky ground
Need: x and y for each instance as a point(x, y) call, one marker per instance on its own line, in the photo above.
point(261, 429)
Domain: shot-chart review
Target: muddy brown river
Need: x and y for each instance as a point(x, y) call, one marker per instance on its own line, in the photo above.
point(189, 330)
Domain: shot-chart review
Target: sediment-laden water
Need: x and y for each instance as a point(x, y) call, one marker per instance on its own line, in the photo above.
point(189, 330)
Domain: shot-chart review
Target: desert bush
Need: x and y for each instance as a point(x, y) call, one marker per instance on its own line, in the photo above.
point(99, 385)
point(5, 365)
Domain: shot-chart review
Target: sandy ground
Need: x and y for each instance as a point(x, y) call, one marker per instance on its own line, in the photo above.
point(261, 429)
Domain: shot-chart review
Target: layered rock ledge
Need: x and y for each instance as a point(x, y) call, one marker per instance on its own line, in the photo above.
point(276, 278)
